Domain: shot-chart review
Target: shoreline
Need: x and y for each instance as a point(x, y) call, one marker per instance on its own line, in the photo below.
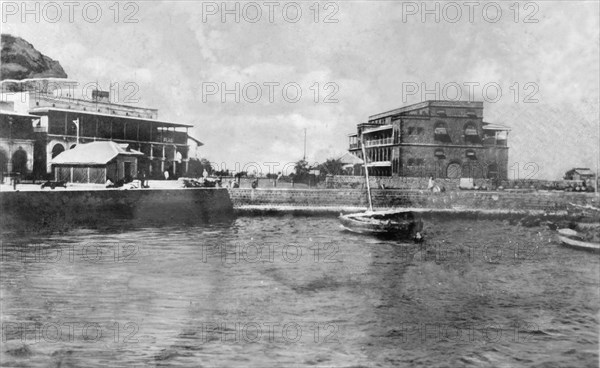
point(51, 208)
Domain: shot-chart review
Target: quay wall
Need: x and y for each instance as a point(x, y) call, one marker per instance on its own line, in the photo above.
point(48, 209)
point(391, 198)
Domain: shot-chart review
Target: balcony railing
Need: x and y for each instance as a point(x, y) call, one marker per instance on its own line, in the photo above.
point(494, 142)
point(379, 142)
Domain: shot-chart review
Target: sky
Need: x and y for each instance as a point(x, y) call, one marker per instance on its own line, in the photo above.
point(324, 67)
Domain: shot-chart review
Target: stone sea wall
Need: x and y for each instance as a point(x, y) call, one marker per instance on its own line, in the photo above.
point(53, 209)
point(390, 198)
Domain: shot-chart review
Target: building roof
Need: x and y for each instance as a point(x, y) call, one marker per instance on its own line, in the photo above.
point(429, 103)
point(157, 122)
point(94, 153)
point(350, 159)
point(583, 171)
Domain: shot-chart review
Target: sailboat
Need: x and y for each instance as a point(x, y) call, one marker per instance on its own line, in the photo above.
point(397, 223)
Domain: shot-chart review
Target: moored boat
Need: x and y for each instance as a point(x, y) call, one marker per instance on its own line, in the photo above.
point(574, 239)
point(397, 223)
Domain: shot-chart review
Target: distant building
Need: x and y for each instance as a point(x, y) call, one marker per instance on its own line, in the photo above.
point(446, 139)
point(349, 162)
point(582, 173)
point(53, 124)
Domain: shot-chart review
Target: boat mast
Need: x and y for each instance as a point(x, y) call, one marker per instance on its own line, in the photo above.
point(366, 172)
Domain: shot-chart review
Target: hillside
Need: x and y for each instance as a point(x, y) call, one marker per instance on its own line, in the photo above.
point(20, 60)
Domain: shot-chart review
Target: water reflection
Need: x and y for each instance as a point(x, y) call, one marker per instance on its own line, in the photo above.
point(295, 291)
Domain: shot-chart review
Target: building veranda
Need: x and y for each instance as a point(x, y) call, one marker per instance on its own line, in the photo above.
point(37, 124)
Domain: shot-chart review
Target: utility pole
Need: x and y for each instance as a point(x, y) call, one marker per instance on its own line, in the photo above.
point(304, 157)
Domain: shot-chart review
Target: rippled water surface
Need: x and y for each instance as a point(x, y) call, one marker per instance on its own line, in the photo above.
point(297, 291)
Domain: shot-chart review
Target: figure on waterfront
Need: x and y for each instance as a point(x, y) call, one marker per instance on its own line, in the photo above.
point(277, 179)
point(433, 187)
point(15, 181)
point(143, 178)
point(431, 184)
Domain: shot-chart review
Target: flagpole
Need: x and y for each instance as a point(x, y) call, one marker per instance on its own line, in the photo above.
point(76, 122)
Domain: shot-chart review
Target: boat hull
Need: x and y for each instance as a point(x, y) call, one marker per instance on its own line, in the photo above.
point(398, 224)
point(579, 244)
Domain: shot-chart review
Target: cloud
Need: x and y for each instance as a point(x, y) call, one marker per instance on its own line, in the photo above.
point(368, 55)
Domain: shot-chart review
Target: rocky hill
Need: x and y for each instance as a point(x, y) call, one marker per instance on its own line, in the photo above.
point(20, 60)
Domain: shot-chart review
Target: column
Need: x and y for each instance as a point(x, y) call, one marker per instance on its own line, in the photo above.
point(151, 158)
point(162, 162)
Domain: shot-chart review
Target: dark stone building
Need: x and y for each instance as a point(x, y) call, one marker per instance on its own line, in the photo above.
point(446, 139)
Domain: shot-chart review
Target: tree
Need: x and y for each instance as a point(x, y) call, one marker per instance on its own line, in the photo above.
point(206, 165)
point(331, 166)
point(301, 170)
point(196, 167)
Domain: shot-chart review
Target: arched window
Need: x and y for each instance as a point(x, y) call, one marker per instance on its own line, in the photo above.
point(440, 132)
point(19, 161)
point(471, 134)
point(454, 171)
point(57, 149)
point(3, 163)
point(492, 171)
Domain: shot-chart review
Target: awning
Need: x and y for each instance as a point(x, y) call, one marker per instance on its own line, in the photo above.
point(157, 122)
point(488, 126)
point(378, 129)
point(14, 113)
point(440, 131)
point(471, 131)
point(195, 140)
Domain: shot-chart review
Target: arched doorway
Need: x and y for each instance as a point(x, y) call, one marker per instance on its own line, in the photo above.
point(19, 161)
point(454, 171)
point(492, 171)
point(3, 164)
point(57, 149)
